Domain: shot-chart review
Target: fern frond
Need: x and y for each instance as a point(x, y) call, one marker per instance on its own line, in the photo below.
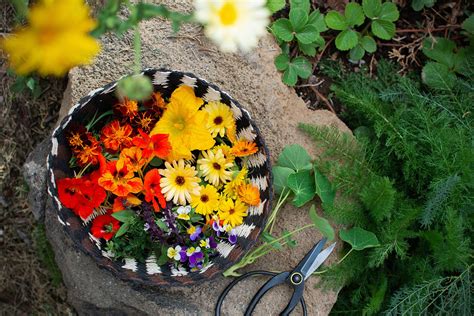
point(379, 198)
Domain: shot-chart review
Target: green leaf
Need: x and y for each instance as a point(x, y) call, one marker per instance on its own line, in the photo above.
point(346, 40)
point(357, 53)
point(324, 188)
point(336, 21)
point(163, 258)
point(282, 61)
point(162, 225)
point(359, 238)
point(275, 5)
point(302, 185)
point(438, 76)
point(389, 12)
point(317, 20)
point(379, 198)
point(322, 224)
point(307, 35)
point(156, 162)
point(291, 243)
point(468, 24)
point(123, 229)
point(418, 5)
point(383, 29)
point(124, 216)
point(441, 50)
point(280, 178)
point(270, 239)
point(354, 14)
point(301, 4)
point(302, 66)
point(307, 49)
point(290, 77)
point(283, 30)
point(295, 157)
point(368, 43)
point(372, 8)
point(298, 18)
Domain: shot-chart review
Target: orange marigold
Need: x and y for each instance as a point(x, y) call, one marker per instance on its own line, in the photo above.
point(249, 194)
point(244, 148)
point(116, 136)
point(145, 121)
point(119, 180)
point(89, 152)
point(156, 103)
point(128, 108)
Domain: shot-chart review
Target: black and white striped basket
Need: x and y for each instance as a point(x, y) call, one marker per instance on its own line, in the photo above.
point(149, 273)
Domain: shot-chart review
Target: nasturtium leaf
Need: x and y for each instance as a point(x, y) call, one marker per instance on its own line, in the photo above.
point(438, 76)
point(336, 21)
point(307, 49)
point(372, 8)
point(324, 189)
point(307, 34)
point(317, 20)
point(440, 50)
point(298, 18)
point(290, 77)
point(468, 24)
point(383, 29)
point(270, 239)
point(346, 40)
point(389, 12)
point(282, 61)
point(302, 66)
point(123, 216)
point(322, 224)
point(283, 30)
point(359, 238)
point(275, 5)
point(354, 14)
point(295, 157)
point(280, 178)
point(301, 4)
point(156, 162)
point(122, 230)
point(368, 43)
point(357, 53)
point(302, 186)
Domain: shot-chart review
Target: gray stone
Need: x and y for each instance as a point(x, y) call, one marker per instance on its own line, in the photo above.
point(252, 80)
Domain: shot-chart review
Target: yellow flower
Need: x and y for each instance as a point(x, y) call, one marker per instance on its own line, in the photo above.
point(185, 124)
point(220, 118)
point(179, 181)
point(232, 213)
point(226, 150)
point(214, 167)
point(249, 194)
point(206, 201)
point(55, 39)
point(230, 188)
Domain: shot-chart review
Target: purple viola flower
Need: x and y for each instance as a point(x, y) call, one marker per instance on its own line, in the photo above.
point(195, 256)
point(212, 242)
point(218, 228)
point(183, 255)
point(195, 234)
point(232, 239)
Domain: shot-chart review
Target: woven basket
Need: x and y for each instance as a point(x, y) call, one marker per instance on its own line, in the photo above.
point(148, 273)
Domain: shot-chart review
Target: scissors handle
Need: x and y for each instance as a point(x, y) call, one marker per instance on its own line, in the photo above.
point(278, 279)
point(297, 295)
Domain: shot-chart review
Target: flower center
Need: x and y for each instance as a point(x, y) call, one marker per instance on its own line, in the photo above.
point(228, 13)
point(47, 35)
point(204, 198)
point(218, 120)
point(179, 180)
point(216, 166)
point(231, 211)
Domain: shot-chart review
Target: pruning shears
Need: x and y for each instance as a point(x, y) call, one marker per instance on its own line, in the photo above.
point(295, 278)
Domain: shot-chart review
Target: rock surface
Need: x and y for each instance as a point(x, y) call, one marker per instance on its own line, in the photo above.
point(252, 80)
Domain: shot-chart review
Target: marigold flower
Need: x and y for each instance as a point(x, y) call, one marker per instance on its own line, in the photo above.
point(104, 226)
point(153, 189)
point(185, 124)
point(233, 24)
point(145, 121)
point(156, 103)
point(207, 201)
point(244, 148)
point(220, 118)
point(232, 213)
point(119, 180)
point(115, 136)
point(133, 157)
point(179, 182)
point(156, 145)
point(226, 150)
point(249, 194)
point(55, 40)
point(128, 108)
point(214, 167)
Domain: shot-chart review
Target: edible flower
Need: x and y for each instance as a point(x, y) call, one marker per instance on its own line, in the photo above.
point(214, 167)
point(174, 253)
point(195, 256)
point(249, 194)
point(104, 226)
point(220, 118)
point(115, 136)
point(206, 201)
point(194, 232)
point(244, 148)
point(183, 212)
point(127, 107)
point(208, 243)
point(179, 182)
point(157, 145)
point(133, 157)
point(153, 189)
point(119, 180)
point(232, 213)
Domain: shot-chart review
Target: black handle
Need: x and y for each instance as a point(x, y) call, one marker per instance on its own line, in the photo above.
point(278, 279)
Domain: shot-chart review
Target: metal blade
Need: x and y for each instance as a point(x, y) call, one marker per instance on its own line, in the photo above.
point(323, 255)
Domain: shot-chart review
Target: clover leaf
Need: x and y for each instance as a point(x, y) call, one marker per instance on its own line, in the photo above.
point(298, 18)
point(283, 30)
point(275, 5)
point(294, 68)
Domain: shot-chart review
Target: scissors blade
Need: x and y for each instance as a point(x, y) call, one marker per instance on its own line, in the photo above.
point(323, 255)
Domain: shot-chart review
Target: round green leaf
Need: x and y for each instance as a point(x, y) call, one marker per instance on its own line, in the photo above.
point(354, 14)
point(346, 40)
point(359, 238)
point(282, 61)
point(302, 186)
point(468, 24)
point(322, 224)
point(368, 43)
point(383, 29)
point(301, 4)
point(124, 216)
point(290, 77)
point(372, 8)
point(295, 157)
point(389, 12)
point(438, 76)
point(280, 178)
point(283, 30)
point(275, 5)
point(307, 35)
point(336, 21)
point(298, 18)
point(356, 53)
point(302, 66)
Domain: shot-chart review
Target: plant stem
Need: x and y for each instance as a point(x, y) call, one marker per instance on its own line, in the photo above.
point(137, 50)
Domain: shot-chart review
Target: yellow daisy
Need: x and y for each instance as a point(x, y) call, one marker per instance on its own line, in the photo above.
point(206, 201)
point(55, 40)
point(185, 124)
point(226, 150)
point(230, 188)
point(179, 181)
point(232, 213)
point(220, 118)
point(214, 167)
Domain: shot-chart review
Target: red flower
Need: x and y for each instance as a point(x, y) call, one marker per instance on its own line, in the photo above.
point(153, 189)
point(69, 191)
point(145, 121)
point(157, 145)
point(128, 108)
point(116, 136)
point(156, 103)
point(104, 226)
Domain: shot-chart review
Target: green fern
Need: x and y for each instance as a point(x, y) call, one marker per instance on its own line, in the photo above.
point(379, 198)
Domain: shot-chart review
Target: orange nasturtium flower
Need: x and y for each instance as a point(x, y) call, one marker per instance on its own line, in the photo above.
point(124, 202)
point(244, 148)
point(117, 179)
point(133, 157)
point(56, 38)
point(116, 136)
point(153, 189)
point(156, 145)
